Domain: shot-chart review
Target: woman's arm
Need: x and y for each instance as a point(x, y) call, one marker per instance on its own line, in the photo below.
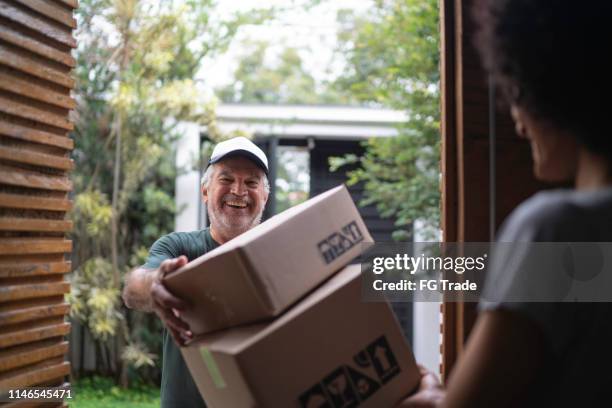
point(501, 361)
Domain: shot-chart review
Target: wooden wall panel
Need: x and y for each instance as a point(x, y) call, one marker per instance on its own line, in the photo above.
point(35, 100)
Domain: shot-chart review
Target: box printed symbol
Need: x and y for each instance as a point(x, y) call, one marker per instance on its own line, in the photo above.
point(383, 359)
point(340, 390)
point(346, 387)
point(315, 398)
point(339, 242)
point(364, 385)
point(352, 231)
point(326, 251)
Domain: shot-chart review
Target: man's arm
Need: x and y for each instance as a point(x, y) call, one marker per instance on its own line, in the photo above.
point(145, 291)
point(137, 289)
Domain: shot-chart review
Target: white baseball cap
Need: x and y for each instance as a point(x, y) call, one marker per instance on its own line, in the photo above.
point(239, 146)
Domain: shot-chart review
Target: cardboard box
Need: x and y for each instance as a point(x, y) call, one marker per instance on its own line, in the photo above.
point(260, 273)
point(330, 350)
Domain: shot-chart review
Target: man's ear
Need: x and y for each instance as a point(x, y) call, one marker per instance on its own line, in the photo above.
point(204, 194)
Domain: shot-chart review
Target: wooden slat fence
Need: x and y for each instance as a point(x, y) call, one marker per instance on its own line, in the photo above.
point(36, 81)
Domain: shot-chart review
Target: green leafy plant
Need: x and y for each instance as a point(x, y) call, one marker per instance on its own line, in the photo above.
point(136, 67)
point(392, 57)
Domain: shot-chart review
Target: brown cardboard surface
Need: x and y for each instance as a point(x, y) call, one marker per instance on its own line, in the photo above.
point(330, 347)
point(262, 272)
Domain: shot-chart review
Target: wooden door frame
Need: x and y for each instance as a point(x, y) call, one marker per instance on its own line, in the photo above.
point(471, 123)
point(457, 317)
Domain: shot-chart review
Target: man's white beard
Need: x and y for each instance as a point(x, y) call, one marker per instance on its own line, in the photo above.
point(230, 229)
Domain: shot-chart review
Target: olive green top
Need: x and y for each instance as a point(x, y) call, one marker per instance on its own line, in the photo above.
point(177, 387)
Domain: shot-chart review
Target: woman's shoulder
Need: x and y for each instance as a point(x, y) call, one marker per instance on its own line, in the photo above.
point(560, 215)
point(544, 206)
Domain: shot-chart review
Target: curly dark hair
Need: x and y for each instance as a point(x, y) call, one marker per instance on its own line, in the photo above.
point(549, 57)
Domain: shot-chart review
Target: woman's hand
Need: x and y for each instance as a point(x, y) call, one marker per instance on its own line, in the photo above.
point(429, 394)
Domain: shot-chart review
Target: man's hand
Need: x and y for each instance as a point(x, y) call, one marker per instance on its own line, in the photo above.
point(429, 394)
point(167, 306)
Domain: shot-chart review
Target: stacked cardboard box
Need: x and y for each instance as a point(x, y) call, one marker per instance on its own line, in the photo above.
point(326, 349)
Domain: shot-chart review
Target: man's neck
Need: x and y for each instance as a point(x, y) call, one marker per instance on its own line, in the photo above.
point(219, 237)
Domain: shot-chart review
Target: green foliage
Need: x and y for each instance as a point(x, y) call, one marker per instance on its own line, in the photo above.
point(138, 356)
point(93, 298)
point(101, 392)
point(92, 214)
point(258, 80)
point(391, 59)
point(392, 56)
point(136, 64)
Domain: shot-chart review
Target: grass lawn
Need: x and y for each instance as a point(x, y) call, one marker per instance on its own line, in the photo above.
point(100, 392)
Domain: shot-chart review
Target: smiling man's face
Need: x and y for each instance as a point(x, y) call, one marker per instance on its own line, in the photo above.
point(235, 197)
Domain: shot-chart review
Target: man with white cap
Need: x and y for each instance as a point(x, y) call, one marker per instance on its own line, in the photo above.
point(235, 188)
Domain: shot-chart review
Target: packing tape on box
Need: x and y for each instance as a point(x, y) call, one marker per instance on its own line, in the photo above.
point(213, 368)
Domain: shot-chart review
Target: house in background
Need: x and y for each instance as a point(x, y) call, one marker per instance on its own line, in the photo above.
point(300, 140)
point(306, 134)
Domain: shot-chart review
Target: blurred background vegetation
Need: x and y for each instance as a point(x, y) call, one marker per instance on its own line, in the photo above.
point(140, 67)
point(102, 392)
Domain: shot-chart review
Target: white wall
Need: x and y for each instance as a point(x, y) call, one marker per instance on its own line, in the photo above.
point(426, 321)
point(187, 189)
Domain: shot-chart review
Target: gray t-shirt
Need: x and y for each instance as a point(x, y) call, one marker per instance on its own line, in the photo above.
point(578, 335)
